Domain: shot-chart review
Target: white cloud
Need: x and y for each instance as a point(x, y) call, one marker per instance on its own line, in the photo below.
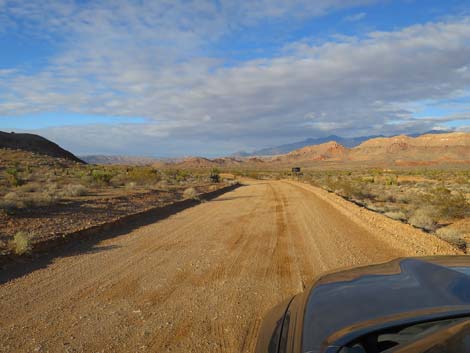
point(355, 17)
point(147, 59)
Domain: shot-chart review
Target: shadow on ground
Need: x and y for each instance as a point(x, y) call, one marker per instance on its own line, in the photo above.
point(85, 241)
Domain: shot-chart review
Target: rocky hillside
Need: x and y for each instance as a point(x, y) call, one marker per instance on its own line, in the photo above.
point(36, 144)
point(283, 149)
point(450, 147)
point(325, 151)
point(428, 149)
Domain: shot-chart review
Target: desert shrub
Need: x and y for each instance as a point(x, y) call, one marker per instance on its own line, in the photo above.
point(396, 215)
point(162, 184)
point(176, 175)
point(39, 200)
point(448, 232)
point(9, 206)
point(131, 185)
point(452, 236)
point(143, 176)
point(462, 180)
point(31, 187)
point(450, 204)
point(391, 180)
point(190, 193)
point(21, 243)
point(74, 190)
point(12, 176)
point(404, 198)
point(101, 176)
point(368, 179)
point(51, 187)
point(375, 208)
point(182, 175)
point(384, 196)
point(12, 201)
point(15, 200)
point(12, 196)
point(350, 190)
point(215, 175)
point(341, 187)
point(423, 218)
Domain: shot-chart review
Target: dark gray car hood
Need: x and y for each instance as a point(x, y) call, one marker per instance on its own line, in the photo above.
point(347, 303)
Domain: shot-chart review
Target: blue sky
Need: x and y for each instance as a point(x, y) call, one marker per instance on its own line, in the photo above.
point(171, 78)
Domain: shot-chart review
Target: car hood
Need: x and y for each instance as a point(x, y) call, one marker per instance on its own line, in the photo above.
point(346, 304)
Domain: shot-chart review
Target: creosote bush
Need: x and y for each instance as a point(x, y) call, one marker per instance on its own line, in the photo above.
point(215, 175)
point(143, 176)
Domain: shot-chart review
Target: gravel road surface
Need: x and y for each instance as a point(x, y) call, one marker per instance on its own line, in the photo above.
point(202, 279)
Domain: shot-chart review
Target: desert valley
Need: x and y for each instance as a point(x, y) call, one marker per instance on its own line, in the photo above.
point(225, 176)
point(205, 226)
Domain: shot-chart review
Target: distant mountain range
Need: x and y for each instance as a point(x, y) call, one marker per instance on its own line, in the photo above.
point(433, 148)
point(125, 160)
point(402, 150)
point(344, 141)
point(422, 150)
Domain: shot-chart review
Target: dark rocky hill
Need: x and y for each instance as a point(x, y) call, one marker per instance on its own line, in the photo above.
point(36, 144)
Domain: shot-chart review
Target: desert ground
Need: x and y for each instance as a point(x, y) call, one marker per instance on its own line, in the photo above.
point(43, 198)
point(199, 280)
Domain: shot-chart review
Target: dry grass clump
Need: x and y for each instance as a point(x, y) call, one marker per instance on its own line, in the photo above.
point(30, 187)
point(18, 200)
point(452, 236)
point(190, 193)
point(21, 243)
point(396, 215)
point(131, 185)
point(451, 204)
point(424, 218)
point(11, 201)
point(74, 190)
point(375, 208)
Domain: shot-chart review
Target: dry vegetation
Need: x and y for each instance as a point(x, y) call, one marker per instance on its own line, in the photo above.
point(437, 201)
point(41, 196)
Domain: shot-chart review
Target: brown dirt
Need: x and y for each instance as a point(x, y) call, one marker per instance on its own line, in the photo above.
point(200, 280)
point(74, 214)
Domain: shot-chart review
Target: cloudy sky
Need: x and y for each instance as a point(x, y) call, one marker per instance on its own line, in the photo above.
point(170, 78)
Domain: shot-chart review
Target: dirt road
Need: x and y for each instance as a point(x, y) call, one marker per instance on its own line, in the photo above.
point(200, 280)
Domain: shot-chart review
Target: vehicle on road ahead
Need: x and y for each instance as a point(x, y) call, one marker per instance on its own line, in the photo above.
point(407, 305)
